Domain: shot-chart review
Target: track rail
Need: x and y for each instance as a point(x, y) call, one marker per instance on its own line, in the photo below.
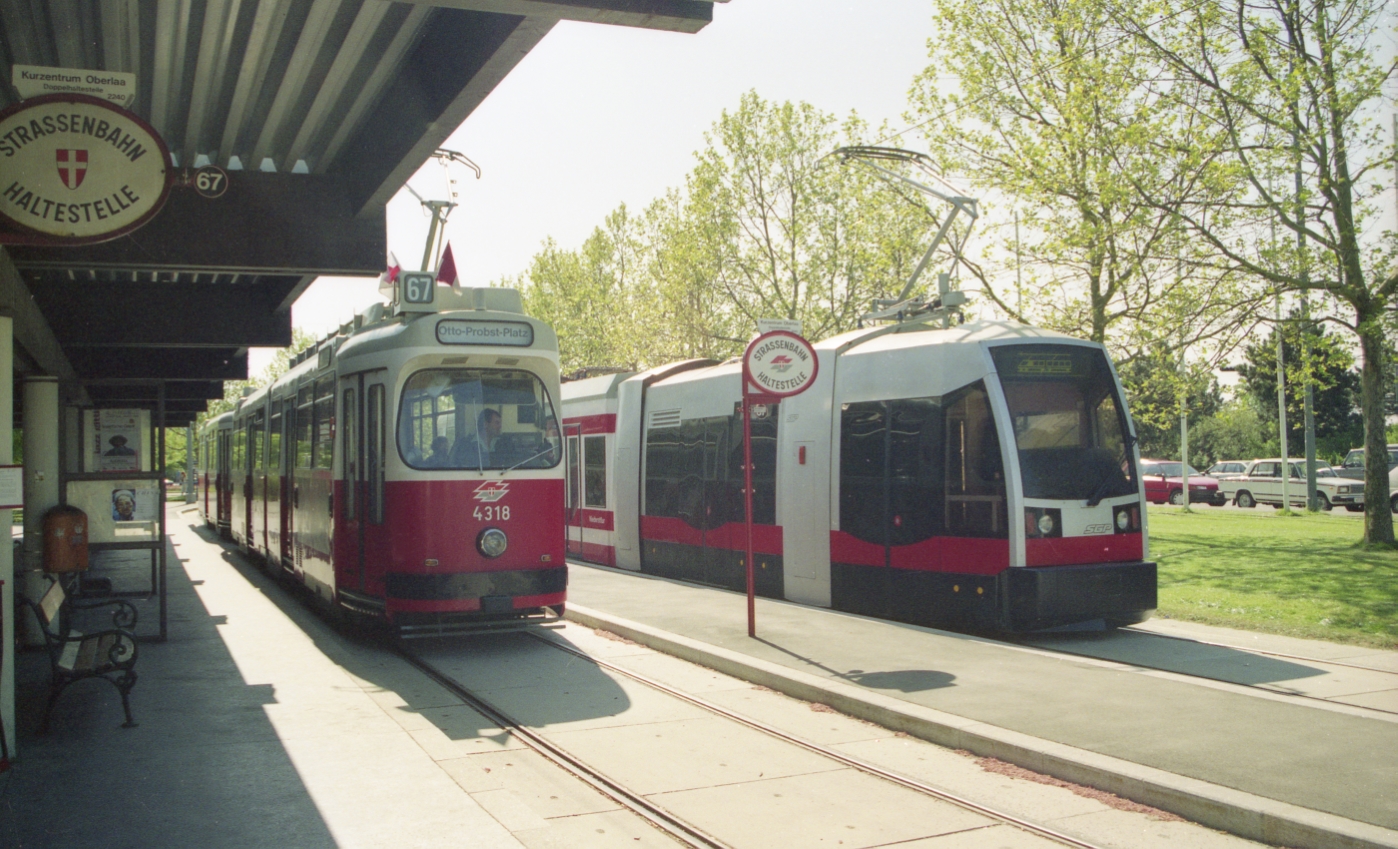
point(678, 829)
point(824, 751)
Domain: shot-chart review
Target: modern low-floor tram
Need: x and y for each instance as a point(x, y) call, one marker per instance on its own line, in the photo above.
point(979, 477)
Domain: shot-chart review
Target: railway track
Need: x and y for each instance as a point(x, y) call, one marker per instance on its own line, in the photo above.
point(677, 828)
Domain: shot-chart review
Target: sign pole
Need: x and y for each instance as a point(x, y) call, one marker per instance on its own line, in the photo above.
point(786, 365)
point(747, 502)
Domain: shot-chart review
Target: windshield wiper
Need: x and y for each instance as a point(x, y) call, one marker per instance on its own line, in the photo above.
point(1100, 492)
point(526, 460)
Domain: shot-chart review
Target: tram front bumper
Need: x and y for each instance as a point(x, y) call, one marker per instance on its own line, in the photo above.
point(1051, 596)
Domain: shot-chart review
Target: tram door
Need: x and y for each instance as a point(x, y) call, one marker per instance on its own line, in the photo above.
point(349, 489)
point(257, 500)
point(285, 425)
point(224, 481)
point(572, 505)
point(363, 539)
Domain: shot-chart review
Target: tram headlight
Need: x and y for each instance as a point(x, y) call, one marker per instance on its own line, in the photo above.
point(492, 542)
point(1045, 524)
point(1123, 520)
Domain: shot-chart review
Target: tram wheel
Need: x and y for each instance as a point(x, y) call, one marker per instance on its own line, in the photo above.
point(1245, 499)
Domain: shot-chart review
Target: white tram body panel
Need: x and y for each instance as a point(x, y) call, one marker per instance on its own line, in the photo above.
point(977, 476)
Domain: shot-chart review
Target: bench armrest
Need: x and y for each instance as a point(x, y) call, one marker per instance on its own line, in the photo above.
point(123, 614)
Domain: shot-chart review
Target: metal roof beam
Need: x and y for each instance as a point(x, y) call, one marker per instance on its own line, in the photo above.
point(288, 224)
point(318, 30)
point(163, 314)
point(210, 70)
point(459, 59)
point(351, 55)
point(31, 331)
point(159, 364)
point(674, 15)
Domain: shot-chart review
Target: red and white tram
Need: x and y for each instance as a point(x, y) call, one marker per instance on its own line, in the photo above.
point(981, 476)
point(211, 472)
point(409, 468)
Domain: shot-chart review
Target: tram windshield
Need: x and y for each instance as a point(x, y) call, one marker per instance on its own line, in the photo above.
point(1069, 424)
point(477, 419)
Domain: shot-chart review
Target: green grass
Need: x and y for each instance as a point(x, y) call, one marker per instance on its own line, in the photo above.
point(1299, 575)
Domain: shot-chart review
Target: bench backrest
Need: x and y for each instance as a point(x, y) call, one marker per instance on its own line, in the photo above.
point(52, 602)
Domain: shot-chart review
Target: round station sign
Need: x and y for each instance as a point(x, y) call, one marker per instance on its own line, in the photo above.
point(780, 363)
point(78, 169)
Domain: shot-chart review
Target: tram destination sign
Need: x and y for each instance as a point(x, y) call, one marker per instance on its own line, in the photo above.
point(780, 363)
point(78, 170)
point(458, 331)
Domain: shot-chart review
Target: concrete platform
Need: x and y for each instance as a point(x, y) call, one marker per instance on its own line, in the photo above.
point(261, 725)
point(1260, 765)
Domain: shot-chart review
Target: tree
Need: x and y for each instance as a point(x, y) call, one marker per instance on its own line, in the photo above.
point(234, 390)
point(1058, 111)
point(1292, 86)
point(1330, 364)
point(786, 231)
point(1153, 384)
point(767, 225)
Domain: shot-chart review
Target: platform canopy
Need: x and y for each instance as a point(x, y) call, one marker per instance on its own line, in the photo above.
point(319, 110)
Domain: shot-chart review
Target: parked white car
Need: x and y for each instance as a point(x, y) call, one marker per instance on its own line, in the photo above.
point(1261, 483)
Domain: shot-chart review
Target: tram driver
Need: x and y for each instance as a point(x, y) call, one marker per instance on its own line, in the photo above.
point(473, 452)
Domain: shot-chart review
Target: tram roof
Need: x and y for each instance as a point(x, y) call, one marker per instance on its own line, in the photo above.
point(319, 109)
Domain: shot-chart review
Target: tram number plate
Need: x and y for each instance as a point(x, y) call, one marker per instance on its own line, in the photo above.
point(492, 513)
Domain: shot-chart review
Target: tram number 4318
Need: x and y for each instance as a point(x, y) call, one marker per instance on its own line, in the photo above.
point(491, 514)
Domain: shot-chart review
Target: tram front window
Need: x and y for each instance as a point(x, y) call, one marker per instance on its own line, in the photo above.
point(1069, 424)
point(477, 419)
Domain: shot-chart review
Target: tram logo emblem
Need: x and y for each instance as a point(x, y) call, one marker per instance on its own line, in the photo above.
point(781, 363)
point(491, 491)
point(72, 166)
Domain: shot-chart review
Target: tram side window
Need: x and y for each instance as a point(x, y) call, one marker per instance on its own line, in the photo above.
point(694, 471)
point(916, 498)
point(863, 446)
point(916, 468)
point(258, 442)
point(975, 472)
point(305, 422)
point(595, 471)
point(374, 459)
point(350, 465)
point(325, 423)
point(274, 441)
point(240, 456)
point(573, 460)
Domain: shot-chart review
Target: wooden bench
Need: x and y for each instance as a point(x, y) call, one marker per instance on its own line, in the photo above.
point(109, 654)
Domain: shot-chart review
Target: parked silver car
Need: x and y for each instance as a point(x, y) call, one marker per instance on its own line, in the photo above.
point(1226, 468)
point(1261, 483)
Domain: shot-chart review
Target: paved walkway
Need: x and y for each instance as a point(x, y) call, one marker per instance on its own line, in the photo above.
point(261, 726)
point(1313, 764)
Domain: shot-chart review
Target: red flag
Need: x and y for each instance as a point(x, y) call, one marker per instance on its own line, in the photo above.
point(390, 275)
point(446, 272)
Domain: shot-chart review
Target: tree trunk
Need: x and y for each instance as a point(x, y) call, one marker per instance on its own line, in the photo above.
point(1378, 518)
